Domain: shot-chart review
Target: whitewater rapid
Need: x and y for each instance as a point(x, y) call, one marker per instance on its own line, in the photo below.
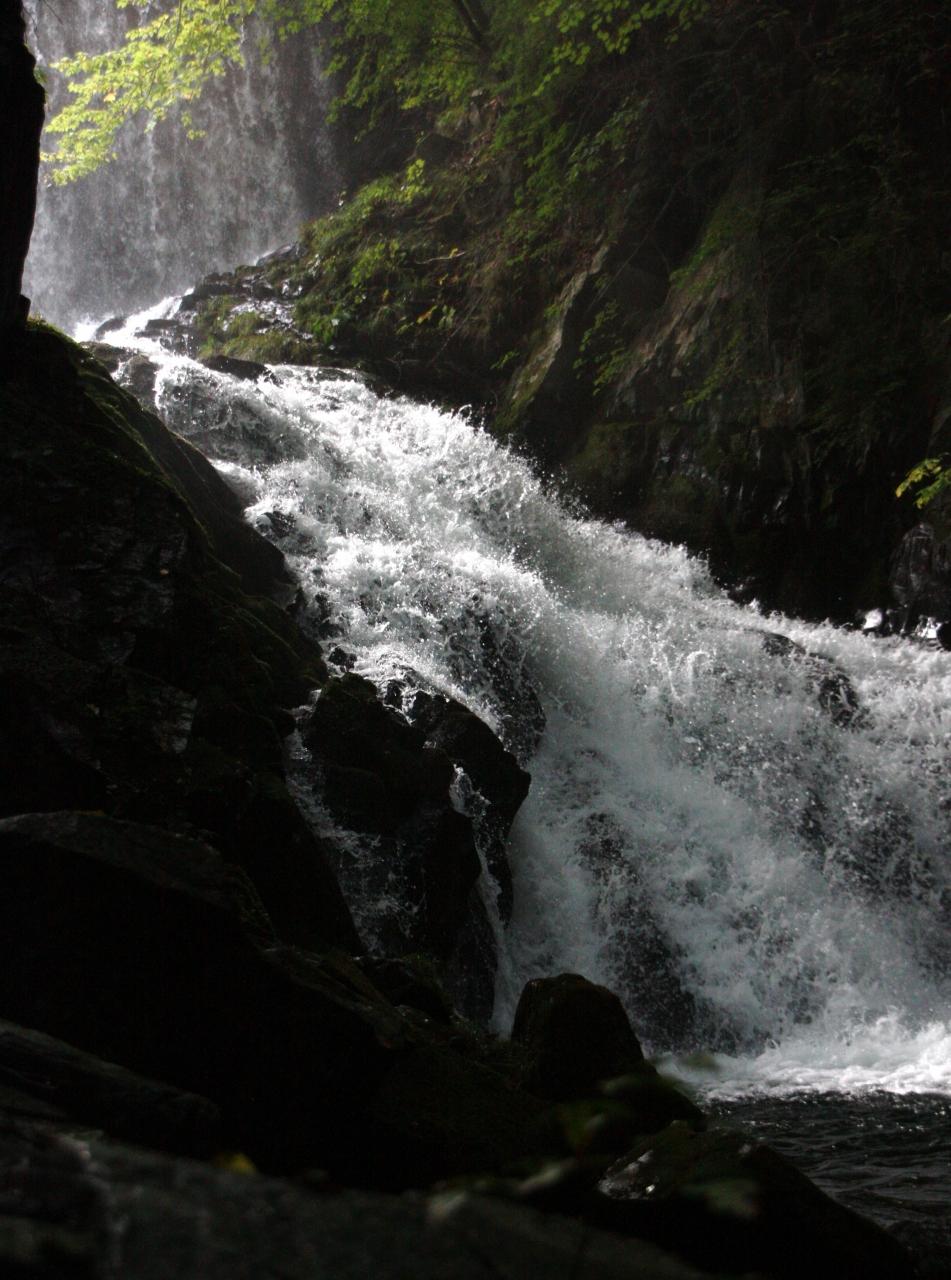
point(758, 866)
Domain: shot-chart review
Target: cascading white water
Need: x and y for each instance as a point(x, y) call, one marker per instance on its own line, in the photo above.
point(169, 210)
point(714, 829)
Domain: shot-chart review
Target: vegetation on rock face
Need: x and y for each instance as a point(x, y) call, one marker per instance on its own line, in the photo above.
point(689, 254)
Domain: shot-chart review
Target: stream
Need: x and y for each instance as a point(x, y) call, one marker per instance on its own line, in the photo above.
point(738, 822)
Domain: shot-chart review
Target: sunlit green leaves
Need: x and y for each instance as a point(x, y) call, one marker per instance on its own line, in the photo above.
point(933, 475)
point(403, 53)
point(165, 61)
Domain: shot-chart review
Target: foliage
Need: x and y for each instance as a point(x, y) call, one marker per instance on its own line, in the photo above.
point(163, 62)
point(934, 474)
point(406, 53)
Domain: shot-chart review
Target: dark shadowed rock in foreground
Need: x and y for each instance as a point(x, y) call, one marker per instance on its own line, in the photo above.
point(92, 1209)
point(45, 1077)
point(149, 951)
point(146, 667)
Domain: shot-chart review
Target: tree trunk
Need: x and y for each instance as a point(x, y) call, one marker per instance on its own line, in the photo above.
point(474, 18)
point(21, 119)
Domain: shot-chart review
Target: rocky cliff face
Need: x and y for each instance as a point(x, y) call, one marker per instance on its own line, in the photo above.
point(21, 110)
point(716, 312)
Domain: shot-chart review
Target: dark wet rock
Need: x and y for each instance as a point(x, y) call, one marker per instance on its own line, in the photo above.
point(257, 562)
point(920, 578)
point(494, 773)
point(341, 659)
point(576, 1035)
point(249, 370)
point(726, 1202)
point(212, 286)
point(77, 1087)
point(649, 1103)
point(417, 853)
point(96, 1209)
point(139, 374)
point(110, 326)
point(284, 255)
point(138, 676)
point(446, 1116)
point(131, 369)
point(108, 356)
point(173, 334)
point(379, 777)
point(150, 951)
point(834, 690)
point(21, 110)
point(352, 733)
point(411, 981)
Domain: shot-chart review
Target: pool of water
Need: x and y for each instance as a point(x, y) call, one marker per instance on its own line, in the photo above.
point(884, 1155)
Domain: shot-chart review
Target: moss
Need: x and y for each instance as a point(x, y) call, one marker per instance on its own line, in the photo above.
point(611, 457)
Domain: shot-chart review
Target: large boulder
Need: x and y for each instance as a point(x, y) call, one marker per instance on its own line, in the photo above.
point(146, 667)
point(150, 951)
point(576, 1034)
point(499, 783)
point(42, 1077)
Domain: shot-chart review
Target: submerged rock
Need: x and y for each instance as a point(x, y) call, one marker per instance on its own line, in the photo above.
point(725, 1201)
point(249, 370)
point(224, 422)
point(834, 690)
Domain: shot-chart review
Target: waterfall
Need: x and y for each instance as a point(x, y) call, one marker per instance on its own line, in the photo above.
point(738, 822)
point(169, 210)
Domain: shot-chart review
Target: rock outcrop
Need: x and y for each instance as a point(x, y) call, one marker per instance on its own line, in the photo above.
point(21, 113)
point(724, 326)
point(140, 677)
point(89, 1208)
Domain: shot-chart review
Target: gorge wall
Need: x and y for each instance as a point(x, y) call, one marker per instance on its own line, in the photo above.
point(703, 284)
point(21, 110)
